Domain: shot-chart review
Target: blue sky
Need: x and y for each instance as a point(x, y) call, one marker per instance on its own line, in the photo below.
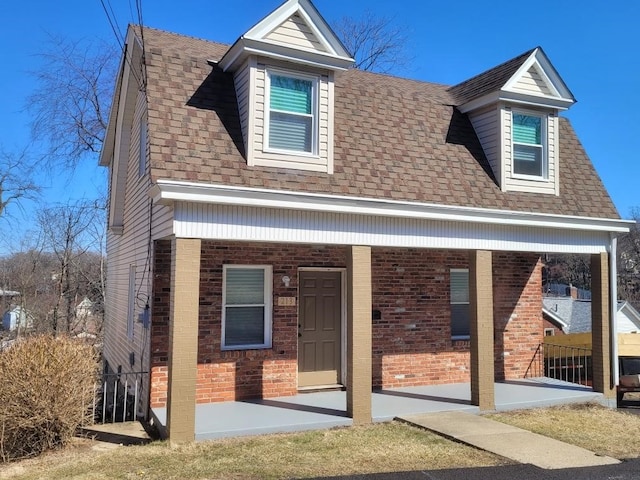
point(594, 45)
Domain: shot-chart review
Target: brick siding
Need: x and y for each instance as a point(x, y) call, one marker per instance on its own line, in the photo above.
point(411, 341)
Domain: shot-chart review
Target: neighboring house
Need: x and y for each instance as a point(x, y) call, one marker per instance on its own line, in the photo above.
point(571, 315)
point(279, 221)
point(16, 318)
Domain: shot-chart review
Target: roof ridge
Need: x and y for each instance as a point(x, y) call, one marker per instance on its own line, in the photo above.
point(182, 35)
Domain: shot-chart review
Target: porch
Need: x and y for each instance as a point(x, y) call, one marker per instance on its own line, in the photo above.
point(323, 410)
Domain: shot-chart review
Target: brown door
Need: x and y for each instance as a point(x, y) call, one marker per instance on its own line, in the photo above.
point(319, 338)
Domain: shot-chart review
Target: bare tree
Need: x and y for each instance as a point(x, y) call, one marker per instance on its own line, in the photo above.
point(629, 262)
point(16, 180)
point(377, 43)
point(65, 234)
point(70, 106)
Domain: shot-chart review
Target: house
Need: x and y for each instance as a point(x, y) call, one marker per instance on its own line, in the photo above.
point(16, 318)
point(570, 315)
point(279, 221)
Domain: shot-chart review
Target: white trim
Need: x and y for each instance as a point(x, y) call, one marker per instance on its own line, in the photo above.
point(343, 313)
point(613, 300)
point(315, 112)
point(168, 191)
point(563, 325)
point(254, 42)
point(519, 98)
point(544, 146)
point(314, 20)
point(562, 100)
point(268, 307)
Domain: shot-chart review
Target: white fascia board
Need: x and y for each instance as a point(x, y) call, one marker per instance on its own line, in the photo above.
point(245, 47)
point(555, 318)
point(168, 191)
point(547, 71)
point(516, 98)
point(310, 14)
point(108, 145)
point(631, 313)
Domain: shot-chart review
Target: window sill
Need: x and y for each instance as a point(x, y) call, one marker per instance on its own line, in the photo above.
point(295, 153)
point(530, 178)
point(461, 338)
point(244, 348)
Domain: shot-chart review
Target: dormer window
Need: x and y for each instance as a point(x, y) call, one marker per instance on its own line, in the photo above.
point(292, 117)
point(529, 142)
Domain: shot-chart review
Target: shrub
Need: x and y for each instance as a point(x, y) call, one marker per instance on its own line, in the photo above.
point(46, 393)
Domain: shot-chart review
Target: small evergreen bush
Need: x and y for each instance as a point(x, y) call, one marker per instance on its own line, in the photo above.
point(46, 393)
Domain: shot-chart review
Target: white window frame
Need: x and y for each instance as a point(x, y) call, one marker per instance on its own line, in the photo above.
point(142, 148)
point(132, 302)
point(549, 332)
point(315, 120)
point(544, 145)
point(451, 302)
point(268, 306)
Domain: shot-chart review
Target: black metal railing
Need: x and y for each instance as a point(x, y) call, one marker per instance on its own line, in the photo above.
point(561, 362)
point(118, 397)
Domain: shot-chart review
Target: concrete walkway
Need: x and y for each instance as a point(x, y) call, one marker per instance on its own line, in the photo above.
point(510, 442)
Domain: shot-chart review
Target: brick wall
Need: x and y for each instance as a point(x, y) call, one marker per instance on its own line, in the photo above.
point(547, 324)
point(411, 342)
point(517, 297)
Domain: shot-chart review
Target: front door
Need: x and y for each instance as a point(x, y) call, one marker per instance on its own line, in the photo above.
point(319, 328)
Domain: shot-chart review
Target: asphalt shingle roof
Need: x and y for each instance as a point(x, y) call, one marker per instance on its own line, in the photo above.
point(394, 138)
point(489, 81)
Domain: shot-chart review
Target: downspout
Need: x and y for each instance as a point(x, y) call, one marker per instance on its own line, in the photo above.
point(613, 289)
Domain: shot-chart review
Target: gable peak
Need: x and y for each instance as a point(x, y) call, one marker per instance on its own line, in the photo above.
point(537, 77)
point(296, 32)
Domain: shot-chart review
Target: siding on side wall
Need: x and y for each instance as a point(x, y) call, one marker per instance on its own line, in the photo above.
point(132, 248)
point(242, 83)
point(412, 342)
point(487, 127)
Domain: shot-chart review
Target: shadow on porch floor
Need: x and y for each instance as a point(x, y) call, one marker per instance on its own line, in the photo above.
point(321, 410)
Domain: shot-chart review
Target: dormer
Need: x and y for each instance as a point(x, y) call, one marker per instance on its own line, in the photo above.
point(283, 71)
point(514, 110)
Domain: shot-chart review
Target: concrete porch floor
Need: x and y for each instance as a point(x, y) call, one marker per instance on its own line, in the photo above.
point(322, 410)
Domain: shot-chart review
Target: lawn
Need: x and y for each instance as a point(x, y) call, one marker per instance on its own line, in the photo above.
point(596, 428)
point(369, 449)
point(377, 448)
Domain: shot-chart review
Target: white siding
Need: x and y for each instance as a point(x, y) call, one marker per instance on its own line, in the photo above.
point(486, 124)
point(296, 32)
point(533, 83)
point(199, 220)
point(323, 161)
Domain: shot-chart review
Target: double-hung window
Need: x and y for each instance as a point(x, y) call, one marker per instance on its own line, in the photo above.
point(529, 145)
point(247, 307)
point(459, 299)
point(292, 112)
